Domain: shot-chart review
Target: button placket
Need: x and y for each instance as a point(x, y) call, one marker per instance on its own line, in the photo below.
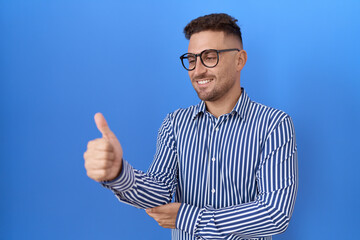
point(213, 163)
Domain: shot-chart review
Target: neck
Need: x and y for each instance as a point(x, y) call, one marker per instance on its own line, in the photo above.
point(222, 106)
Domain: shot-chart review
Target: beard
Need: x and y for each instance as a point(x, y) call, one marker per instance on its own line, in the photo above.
point(205, 94)
point(218, 88)
point(209, 96)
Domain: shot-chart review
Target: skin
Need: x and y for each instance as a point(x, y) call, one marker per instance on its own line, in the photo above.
point(165, 215)
point(223, 90)
point(103, 157)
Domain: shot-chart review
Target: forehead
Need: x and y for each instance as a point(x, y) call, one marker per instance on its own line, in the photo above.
point(209, 40)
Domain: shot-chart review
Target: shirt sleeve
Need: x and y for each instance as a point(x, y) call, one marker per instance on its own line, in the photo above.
point(157, 185)
point(270, 213)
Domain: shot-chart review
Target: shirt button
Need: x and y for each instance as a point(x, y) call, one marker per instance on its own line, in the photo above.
point(213, 159)
point(217, 129)
point(213, 190)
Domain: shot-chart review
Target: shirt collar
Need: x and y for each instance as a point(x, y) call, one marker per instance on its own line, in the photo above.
point(240, 108)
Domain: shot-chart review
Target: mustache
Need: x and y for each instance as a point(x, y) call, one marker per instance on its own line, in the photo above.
point(203, 76)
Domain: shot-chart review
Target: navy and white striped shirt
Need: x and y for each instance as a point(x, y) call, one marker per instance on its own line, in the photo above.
point(236, 175)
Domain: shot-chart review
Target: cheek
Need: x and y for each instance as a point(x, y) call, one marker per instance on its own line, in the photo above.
point(226, 70)
point(191, 75)
point(219, 73)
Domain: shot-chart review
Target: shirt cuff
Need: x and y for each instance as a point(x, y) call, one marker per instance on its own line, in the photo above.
point(188, 218)
point(125, 181)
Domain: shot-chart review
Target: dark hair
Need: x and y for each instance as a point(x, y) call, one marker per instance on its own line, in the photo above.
point(216, 22)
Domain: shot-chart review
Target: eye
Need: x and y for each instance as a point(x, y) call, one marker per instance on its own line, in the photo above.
point(209, 56)
point(191, 59)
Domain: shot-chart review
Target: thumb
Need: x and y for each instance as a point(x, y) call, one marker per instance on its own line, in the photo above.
point(102, 125)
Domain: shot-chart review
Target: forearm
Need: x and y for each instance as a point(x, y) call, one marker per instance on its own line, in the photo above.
point(138, 189)
point(250, 220)
point(155, 187)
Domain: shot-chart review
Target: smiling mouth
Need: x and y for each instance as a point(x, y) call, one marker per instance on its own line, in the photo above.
point(201, 82)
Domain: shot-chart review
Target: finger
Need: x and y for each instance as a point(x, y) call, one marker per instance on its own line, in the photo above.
point(91, 165)
point(153, 215)
point(99, 155)
point(95, 156)
point(149, 211)
point(102, 126)
point(97, 175)
point(100, 144)
point(98, 159)
point(158, 209)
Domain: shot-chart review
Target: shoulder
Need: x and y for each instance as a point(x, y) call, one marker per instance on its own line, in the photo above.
point(183, 113)
point(181, 118)
point(264, 111)
point(268, 118)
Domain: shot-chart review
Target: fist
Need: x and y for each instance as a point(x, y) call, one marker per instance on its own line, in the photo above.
point(103, 156)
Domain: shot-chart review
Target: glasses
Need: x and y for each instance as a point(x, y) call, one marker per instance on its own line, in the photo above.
point(209, 58)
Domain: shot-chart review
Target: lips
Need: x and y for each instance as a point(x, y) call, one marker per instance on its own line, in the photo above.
point(203, 81)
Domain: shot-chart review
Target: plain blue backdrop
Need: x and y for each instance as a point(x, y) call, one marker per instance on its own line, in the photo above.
point(63, 61)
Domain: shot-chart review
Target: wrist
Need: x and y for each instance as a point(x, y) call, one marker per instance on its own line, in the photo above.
point(118, 172)
point(188, 218)
point(125, 179)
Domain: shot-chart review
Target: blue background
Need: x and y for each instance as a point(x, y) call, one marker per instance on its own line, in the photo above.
point(63, 61)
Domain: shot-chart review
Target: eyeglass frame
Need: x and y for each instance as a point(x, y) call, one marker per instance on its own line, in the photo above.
point(182, 57)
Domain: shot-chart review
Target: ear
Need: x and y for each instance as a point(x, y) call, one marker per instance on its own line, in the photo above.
point(241, 60)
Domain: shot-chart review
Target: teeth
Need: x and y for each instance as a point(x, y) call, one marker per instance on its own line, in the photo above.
point(203, 81)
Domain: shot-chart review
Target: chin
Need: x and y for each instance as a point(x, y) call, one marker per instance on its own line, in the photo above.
point(206, 97)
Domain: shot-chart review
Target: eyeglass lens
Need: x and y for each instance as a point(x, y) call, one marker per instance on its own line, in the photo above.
point(208, 57)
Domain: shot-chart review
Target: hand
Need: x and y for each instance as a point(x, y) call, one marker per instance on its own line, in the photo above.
point(103, 157)
point(165, 215)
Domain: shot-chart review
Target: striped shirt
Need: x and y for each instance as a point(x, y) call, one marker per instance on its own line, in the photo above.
point(235, 176)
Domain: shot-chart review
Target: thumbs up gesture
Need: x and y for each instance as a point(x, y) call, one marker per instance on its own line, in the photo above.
point(103, 156)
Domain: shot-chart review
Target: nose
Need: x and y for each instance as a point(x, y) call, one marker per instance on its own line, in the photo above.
point(199, 68)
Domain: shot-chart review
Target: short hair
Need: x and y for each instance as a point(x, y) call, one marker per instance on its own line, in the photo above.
point(215, 22)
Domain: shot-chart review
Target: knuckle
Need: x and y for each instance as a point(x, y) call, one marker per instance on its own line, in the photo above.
point(88, 166)
point(109, 155)
point(107, 145)
point(102, 155)
point(88, 156)
point(94, 143)
point(103, 173)
point(90, 144)
point(89, 174)
point(94, 175)
point(105, 164)
point(105, 155)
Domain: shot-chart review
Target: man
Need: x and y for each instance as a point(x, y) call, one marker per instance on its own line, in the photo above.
point(232, 162)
